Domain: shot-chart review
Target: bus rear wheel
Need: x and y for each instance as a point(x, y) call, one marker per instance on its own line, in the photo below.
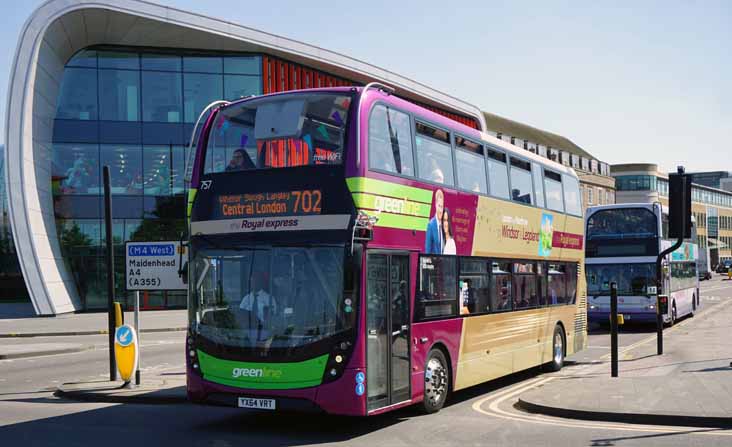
point(436, 382)
point(557, 350)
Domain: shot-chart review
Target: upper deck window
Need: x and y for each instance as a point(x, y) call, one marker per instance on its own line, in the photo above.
point(470, 166)
point(497, 174)
point(553, 187)
point(521, 184)
point(279, 132)
point(390, 141)
point(622, 223)
point(572, 200)
point(434, 154)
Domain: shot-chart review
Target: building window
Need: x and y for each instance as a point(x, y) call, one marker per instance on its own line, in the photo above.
point(119, 95)
point(590, 199)
point(75, 169)
point(161, 97)
point(78, 95)
point(199, 90)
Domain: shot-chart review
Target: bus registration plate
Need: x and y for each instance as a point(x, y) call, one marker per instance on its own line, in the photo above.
point(259, 404)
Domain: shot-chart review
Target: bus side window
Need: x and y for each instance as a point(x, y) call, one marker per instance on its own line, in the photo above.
point(390, 141)
point(434, 155)
point(501, 281)
point(497, 175)
point(437, 294)
point(522, 188)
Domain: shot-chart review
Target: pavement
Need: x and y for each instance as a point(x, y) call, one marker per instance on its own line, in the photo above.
point(161, 389)
point(689, 385)
point(39, 332)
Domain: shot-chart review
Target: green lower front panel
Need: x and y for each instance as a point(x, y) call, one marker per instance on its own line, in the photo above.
point(263, 376)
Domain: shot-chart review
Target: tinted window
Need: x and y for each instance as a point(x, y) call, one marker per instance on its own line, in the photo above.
point(437, 294)
point(119, 95)
point(161, 62)
point(572, 199)
point(199, 90)
point(390, 141)
point(157, 164)
point(497, 174)
point(557, 286)
point(125, 166)
point(521, 184)
point(501, 285)
point(84, 58)
point(77, 98)
point(203, 64)
point(242, 65)
point(525, 293)
point(236, 86)
point(161, 97)
point(470, 166)
point(117, 59)
point(571, 277)
point(622, 223)
point(474, 286)
point(434, 155)
point(75, 169)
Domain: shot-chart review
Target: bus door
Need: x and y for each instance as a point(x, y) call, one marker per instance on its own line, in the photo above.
point(387, 329)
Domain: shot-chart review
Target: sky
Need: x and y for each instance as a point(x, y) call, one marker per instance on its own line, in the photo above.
point(628, 81)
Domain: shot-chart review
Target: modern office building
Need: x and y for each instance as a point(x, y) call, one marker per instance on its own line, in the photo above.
point(598, 187)
point(713, 179)
point(712, 207)
point(120, 83)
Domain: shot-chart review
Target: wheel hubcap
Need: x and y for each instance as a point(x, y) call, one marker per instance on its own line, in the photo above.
point(435, 377)
point(558, 348)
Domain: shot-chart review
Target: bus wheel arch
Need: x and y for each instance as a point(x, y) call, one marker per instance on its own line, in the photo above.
point(437, 352)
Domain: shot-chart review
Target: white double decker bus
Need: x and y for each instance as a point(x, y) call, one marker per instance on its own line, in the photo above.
point(622, 244)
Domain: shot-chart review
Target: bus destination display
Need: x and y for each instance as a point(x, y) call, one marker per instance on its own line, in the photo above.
point(285, 203)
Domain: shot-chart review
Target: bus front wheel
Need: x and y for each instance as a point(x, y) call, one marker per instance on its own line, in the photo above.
point(436, 381)
point(557, 349)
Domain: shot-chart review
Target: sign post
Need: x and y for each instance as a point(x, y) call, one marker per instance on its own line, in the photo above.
point(137, 328)
point(151, 266)
point(679, 228)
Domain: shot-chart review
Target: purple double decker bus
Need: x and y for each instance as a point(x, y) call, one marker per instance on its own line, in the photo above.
point(353, 253)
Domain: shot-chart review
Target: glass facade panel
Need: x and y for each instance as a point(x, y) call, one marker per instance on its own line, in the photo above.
point(119, 95)
point(161, 62)
point(203, 64)
point(119, 59)
point(75, 169)
point(84, 58)
point(161, 97)
point(122, 108)
point(125, 165)
point(157, 165)
point(251, 65)
point(199, 90)
point(239, 86)
point(77, 98)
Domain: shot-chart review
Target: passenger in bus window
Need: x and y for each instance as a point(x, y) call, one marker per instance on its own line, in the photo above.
point(240, 161)
point(448, 241)
point(433, 238)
